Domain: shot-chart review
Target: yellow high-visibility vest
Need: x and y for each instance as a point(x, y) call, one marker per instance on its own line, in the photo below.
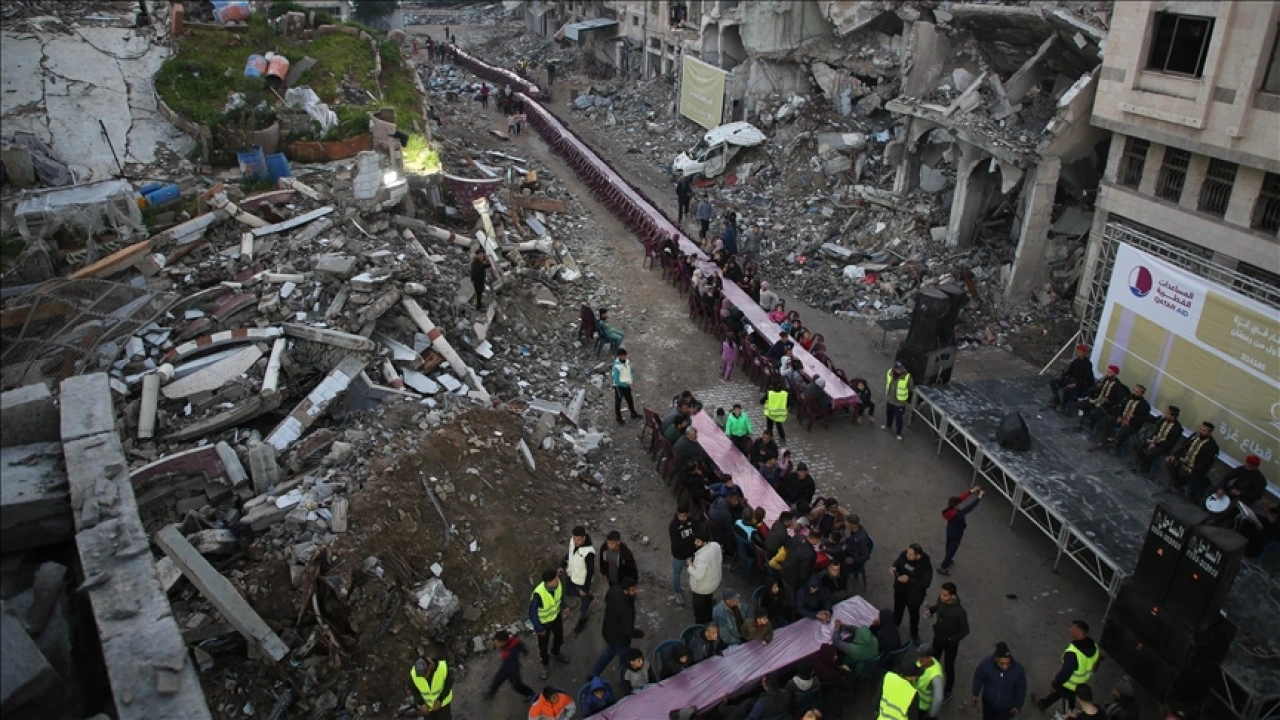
point(430, 689)
point(775, 406)
point(924, 685)
point(896, 695)
point(549, 610)
point(903, 393)
point(1084, 666)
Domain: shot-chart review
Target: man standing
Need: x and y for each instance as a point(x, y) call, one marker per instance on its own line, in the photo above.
point(619, 627)
point(802, 556)
point(580, 570)
point(616, 560)
point(1078, 661)
point(950, 626)
point(682, 531)
point(1152, 450)
point(855, 551)
point(1000, 684)
point(547, 616)
point(433, 685)
point(729, 238)
point(705, 568)
point(929, 686)
point(704, 213)
point(479, 276)
point(752, 239)
point(1073, 381)
point(551, 75)
point(912, 574)
point(956, 523)
point(775, 408)
point(898, 690)
point(1189, 463)
point(768, 298)
point(622, 379)
point(684, 193)
point(897, 391)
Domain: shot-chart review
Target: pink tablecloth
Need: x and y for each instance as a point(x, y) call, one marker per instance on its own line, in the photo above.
point(711, 681)
point(732, 462)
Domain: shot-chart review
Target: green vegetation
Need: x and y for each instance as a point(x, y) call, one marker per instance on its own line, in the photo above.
point(419, 158)
point(276, 9)
point(209, 66)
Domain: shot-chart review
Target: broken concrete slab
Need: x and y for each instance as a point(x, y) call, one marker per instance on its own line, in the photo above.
point(221, 339)
point(35, 508)
point(316, 402)
point(214, 376)
point(25, 674)
point(336, 265)
point(328, 336)
point(28, 415)
point(86, 407)
point(338, 510)
point(292, 222)
point(263, 467)
point(221, 594)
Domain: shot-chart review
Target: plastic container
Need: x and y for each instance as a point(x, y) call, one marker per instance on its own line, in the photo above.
point(278, 166)
point(278, 68)
point(225, 11)
point(255, 66)
point(162, 195)
point(252, 162)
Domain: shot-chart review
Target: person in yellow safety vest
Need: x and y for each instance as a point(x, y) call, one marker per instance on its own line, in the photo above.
point(897, 391)
point(433, 685)
point(898, 691)
point(546, 612)
point(929, 686)
point(1078, 663)
point(775, 409)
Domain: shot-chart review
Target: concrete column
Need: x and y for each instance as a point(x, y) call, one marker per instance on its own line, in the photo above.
point(907, 176)
point(1195, 179)
point(1244, 195)
point(1150, 169)
point(1029, 268)
point(969, 196)
point(1091, 254)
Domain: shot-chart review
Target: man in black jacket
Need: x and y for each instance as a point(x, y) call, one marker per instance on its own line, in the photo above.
point(779, 533)
point(950, 626)
point(722, 514)
point(688, 448)
point(1079, 661)
point(797, 486)
point(1127, 420)
point(912, 575)
point(1190, 461)
point(619, 627)
point(1107, 394)
point(1153, 448)
point(616, 560)
point(479, 276)
point(802, 554)
point(763, 449)
point(855, 550)
point(681, 531)
point(1073, 381)
point(1244, 483)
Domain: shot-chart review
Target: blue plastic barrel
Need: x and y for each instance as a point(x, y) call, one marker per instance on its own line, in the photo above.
point(278, 166)
point(162, 195)
point(255, 66)
point(149, 188)
point(252, 162)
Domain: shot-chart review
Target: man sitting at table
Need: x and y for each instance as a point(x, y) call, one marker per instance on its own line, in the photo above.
point(780, 348)
point(763, 449)
point(817, 391)
point(688, 448)
point(676, 430)
point(798, 486)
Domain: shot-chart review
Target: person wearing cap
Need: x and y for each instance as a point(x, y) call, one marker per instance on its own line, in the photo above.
point(1153, 447)
point(727, 614)
point(619, 626)
point(433, 687)
point(897, 392)
point(1078, 663)
point(1123, 705)
point(1075, 379)
point(546, 614)
point(768, 298)
point(622, 379)
point(1085, 706)
point(797, 487)
point(957, 523)
point(1103, 399)
point(929, 685)
point(898, 690)
point(1189, 463)
point(1131, 416)
point(950, 626)
point(813, 600)
point(912, 575)
point(705, 573)
point(1244, 483)
point(999, 685)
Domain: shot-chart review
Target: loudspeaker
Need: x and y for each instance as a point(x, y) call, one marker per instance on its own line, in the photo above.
point(932, 305)
point(1205, 575)
point(1013, 433)
point(1167, 536)
point(1153, 673)
point(928, 368)
point(1168, 635)
point(947, 326)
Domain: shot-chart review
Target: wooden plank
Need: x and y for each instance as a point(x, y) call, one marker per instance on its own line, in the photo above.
point(122, 259)
point(540, 204)
point(219, 591)
point(15, 317)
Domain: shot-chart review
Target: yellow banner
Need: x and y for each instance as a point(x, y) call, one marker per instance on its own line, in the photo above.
point(701, 92)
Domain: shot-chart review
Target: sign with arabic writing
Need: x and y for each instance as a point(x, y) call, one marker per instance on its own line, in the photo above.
point(1200, 346)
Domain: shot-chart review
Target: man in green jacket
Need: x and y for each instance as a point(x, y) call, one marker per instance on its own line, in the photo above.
point(861, 645)
point(738, 427)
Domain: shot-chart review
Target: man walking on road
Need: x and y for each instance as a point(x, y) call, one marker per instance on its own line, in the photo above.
point(705, 569)
point(706, 211)
point(956, 523)
point(479, 276)
point(912, 574)
point(1078, 662)
point(580, 570)
point(1000, 685)
point(950, 626)
point(897, 391)
point(684, 193)
point(547, 616)
point(622, 386)
point(619, 627)
point(682, 532)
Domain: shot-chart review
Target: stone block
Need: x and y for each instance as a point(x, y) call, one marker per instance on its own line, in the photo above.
point(35, 507)
point(87, 408)
point(28, 415)
point(263, 467)
point(25, 674)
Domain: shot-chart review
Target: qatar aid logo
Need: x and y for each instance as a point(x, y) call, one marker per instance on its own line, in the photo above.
point(1140, 281)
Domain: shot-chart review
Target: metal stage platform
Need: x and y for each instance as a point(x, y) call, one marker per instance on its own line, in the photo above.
point(1096, 512)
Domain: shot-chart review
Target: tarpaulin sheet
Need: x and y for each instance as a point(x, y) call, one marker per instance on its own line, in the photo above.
point(709, 682)
point(701, 92)
point(757, 491)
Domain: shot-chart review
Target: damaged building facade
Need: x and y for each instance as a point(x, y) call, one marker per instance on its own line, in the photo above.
point(1193, 173)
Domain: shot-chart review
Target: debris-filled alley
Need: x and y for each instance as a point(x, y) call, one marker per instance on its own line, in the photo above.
point(264, 446)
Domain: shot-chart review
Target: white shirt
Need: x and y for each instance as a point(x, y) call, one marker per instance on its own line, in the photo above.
point(704, 573)
point(578, 559)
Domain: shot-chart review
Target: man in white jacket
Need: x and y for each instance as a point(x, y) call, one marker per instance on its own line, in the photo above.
point(704, 575)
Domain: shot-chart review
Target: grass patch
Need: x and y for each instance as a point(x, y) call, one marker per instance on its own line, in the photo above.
point(419, 157)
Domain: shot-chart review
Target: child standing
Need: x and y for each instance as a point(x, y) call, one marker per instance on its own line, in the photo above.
point(511, 649)
point(511, 125)
point(728, 355)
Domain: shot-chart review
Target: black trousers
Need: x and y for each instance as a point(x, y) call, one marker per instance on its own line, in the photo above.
point(704, 226)
point(682, 204)
point(513, 676)
point(776, 428)
point(947, 653)
point(620, 394)
point(479, 288)
point(702, 606)
point(901, 603)
point(553, 636)
point(1058, 693)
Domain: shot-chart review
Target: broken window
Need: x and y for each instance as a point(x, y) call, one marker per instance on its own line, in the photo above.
point(1271, 83)
point(1215, 193)
point(1266, 211)
point(1181, 44)
point(1133, 162)
point(1173, 174)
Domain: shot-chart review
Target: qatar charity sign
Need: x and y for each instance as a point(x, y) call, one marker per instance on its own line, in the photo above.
point(1200, 346)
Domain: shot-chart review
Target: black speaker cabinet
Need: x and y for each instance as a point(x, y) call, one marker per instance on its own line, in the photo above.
point(1167, 634)
point(928, 368)
point(1164, 680)
point(1205, 575)
point(1013, 434)
point(932, 306)
point(947, 326)
point(1167, 537)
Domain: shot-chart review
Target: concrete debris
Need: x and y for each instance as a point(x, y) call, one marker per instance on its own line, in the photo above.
point(438, 604)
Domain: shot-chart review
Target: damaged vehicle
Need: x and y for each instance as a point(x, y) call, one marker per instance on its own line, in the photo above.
point(718, 146)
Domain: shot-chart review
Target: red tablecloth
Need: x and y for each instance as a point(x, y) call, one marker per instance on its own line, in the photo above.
point(732, 462)
point(708, 683)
